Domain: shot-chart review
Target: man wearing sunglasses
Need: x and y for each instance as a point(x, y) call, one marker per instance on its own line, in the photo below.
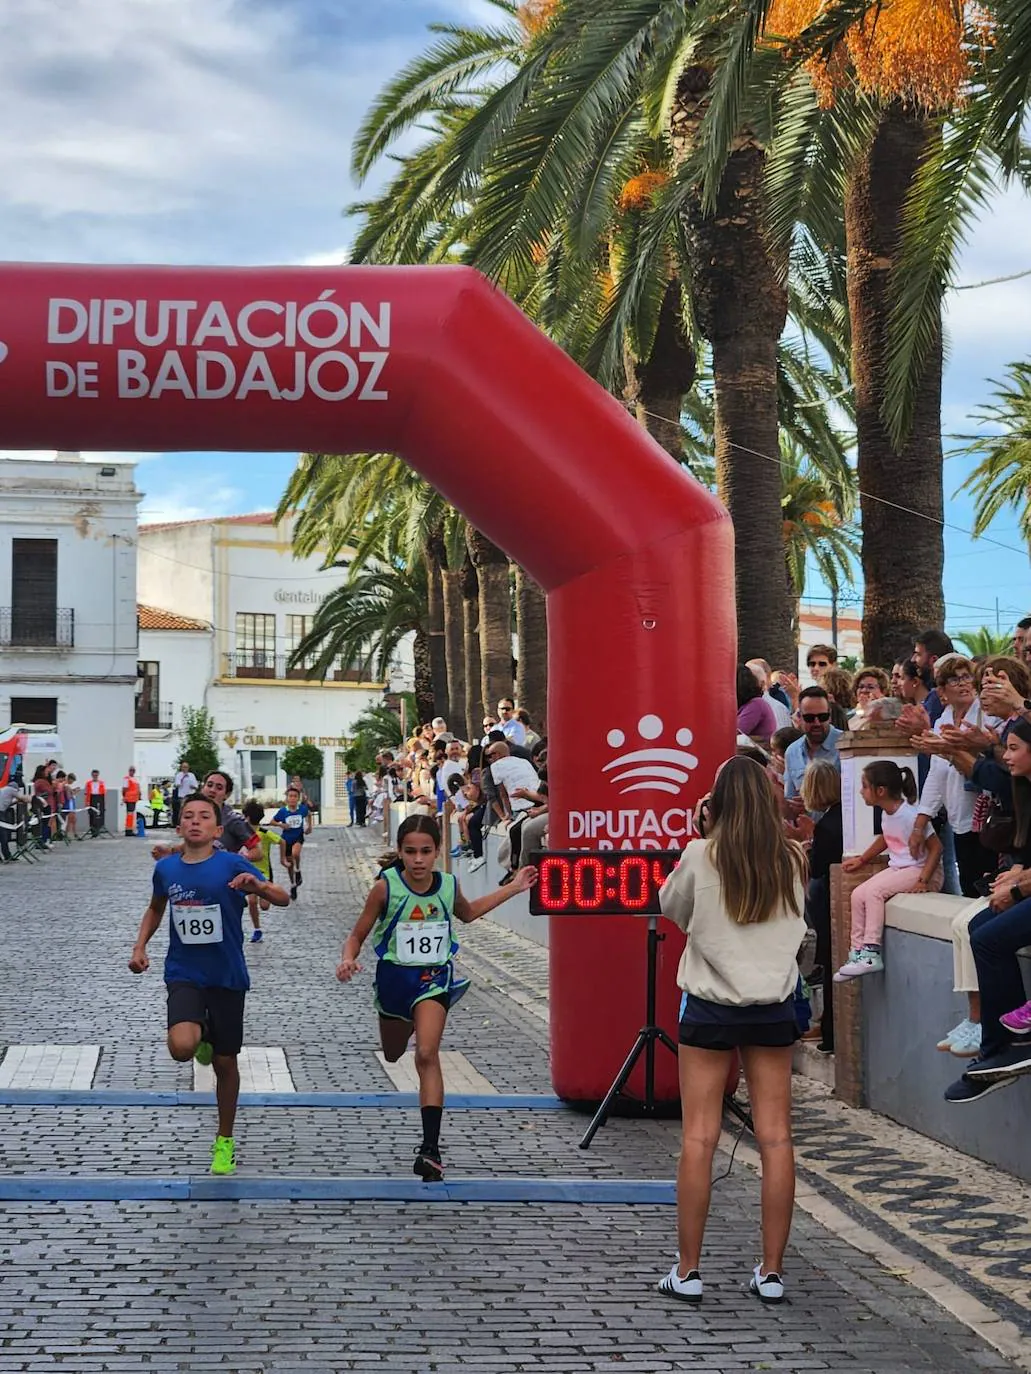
point(819, 741)
point(819, 658)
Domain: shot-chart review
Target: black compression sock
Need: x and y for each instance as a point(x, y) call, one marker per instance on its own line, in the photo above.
point(431, 1119)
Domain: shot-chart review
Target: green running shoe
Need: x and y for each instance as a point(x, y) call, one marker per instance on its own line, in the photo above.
point(223, 1155)
point(204, 1053)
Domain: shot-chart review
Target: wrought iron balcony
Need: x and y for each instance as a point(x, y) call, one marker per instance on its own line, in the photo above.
point(256, 663)
point(155, 715)
point(37, 627)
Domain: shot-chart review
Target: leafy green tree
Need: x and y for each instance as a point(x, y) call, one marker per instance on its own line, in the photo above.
point(302, 761)
point(378, 727)
point(984, 641)
point(198, 740)
point(1002, 479)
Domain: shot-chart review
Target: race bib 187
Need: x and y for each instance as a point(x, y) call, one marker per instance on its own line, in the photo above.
point(423, 942)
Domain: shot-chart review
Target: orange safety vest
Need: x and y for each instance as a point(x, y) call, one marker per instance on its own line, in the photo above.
point(131, 790)
point(94, 789)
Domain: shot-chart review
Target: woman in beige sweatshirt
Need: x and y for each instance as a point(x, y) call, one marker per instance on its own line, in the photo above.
point(740, 895)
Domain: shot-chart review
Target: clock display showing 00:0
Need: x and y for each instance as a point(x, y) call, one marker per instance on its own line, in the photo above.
point(577, 882)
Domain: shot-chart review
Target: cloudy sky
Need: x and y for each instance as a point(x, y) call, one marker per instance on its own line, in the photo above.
point(219, 131)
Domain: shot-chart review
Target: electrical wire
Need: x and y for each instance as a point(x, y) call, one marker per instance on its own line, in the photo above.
point(992, 281)
point(881, 500)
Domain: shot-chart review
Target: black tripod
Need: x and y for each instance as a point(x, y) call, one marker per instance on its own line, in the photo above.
point(646, 1039)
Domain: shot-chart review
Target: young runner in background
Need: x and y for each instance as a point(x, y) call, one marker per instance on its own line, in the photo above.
point(295, 819)
point(410, 913)
point(205, 970)
point(269, 840)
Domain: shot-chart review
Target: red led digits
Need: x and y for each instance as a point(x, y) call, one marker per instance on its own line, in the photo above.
point(588, 895)
point(633, 884)
point(553, 896)
point(618, 883)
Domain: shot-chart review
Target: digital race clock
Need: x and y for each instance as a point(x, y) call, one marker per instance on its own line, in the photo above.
point(616, 882)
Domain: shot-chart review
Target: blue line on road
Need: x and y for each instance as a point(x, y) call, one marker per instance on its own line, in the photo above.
point(114, 1097)
point(203, 1188)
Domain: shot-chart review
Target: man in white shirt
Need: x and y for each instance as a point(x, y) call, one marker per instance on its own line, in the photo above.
point(184, 784)
point(509, 773)
point(514, 730)
point(453, 763)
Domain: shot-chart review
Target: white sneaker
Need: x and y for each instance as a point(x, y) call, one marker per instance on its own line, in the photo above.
point(768, 1288)
point(476, 865)
point(688, 1289)
point(966, 1040)
point(945, 1043)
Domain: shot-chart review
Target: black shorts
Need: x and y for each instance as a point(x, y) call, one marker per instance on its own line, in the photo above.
point(220, 1010)
point(765, 1034)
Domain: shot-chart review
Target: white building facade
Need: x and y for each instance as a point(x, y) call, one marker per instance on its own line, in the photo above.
point(244, 603)
point(68, 610)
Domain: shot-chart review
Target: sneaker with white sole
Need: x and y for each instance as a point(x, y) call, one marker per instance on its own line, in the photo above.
point(1018, 1022)
point(768, 1288)
point(866, 961)
point(687, 1289)
point(477, 864)
point(843, 972)
point(966, 1043)
point(946, 1042)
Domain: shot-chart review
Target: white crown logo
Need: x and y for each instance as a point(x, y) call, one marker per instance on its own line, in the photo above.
point(660, 769)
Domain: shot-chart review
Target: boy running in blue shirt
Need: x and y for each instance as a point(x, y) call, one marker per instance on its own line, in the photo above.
point(295, 820)
point(205, 970)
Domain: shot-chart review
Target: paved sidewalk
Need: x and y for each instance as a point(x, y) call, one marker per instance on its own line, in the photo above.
point(277, 1286)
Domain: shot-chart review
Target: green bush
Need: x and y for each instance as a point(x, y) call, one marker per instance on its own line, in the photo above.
point(198, 741)
point(302, 761)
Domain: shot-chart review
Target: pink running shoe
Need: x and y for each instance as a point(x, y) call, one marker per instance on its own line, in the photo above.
point(1019, 1021)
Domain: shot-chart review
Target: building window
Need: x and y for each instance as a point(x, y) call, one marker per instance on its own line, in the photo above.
point(297, 626)
point(263, 771)
point(255, 645)
point(148, 700)
point(33, 611)
point(34, 711)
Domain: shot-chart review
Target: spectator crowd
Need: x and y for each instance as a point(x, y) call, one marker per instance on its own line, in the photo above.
point(959, 821)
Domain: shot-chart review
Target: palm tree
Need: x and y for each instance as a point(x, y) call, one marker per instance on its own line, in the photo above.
point(876, 127)
point(1003, 476)
point(531, 686)
point(817, 526)
point(984, 641)
point(363, 622)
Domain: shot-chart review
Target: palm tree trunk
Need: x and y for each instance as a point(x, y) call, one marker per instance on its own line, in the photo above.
point(532, 640)
point(656, 388)
point(903, 555)
point(454, 651)
point(423, 678)
point(492, 572)
point(471, 650)
point(435, 555)
point(740, 303)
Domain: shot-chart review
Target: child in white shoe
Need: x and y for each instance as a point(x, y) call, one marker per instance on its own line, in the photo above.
point(912, 867)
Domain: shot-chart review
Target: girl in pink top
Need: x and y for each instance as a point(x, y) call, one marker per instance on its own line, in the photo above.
point(911, 868)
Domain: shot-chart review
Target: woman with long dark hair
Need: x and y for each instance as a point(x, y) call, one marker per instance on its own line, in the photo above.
point(740, 896)
point(996, 935)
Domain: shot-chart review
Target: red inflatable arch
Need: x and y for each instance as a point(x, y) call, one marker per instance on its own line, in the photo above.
point(438, 366)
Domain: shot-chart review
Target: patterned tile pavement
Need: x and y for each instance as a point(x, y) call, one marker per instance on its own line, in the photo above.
point(279, 1287)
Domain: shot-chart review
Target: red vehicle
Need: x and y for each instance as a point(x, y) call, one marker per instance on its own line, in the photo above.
point(14, 744)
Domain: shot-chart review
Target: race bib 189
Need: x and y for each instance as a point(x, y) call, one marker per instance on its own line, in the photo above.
point(198, 925)
point(423, 942)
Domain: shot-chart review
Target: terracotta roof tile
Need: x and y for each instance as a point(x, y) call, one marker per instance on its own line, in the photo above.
point(267, 517)
point(153, 618)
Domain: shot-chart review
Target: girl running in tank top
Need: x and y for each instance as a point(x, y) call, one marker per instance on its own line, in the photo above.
point(410, 914)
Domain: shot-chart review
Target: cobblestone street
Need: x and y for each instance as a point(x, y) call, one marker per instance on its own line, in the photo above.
point(170, 1273)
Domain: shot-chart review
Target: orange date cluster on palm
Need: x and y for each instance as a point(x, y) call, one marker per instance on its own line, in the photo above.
point(911, 50)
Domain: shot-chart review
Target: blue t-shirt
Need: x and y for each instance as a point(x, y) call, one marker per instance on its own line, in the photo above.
point(292, 822)
point(205, 927)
